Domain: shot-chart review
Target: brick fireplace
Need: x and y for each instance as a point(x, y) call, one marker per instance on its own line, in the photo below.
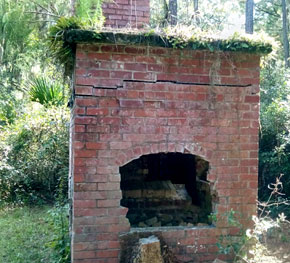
point(161, 139)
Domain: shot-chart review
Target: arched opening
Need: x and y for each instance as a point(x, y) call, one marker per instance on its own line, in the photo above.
point(166, 189)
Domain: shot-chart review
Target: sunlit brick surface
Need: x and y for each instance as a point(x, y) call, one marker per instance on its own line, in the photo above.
point(132, 101)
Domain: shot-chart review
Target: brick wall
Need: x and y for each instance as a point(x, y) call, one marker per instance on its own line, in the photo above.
point(127, 13)
point(135, 100)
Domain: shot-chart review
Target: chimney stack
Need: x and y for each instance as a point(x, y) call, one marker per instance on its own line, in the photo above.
point(127, 13)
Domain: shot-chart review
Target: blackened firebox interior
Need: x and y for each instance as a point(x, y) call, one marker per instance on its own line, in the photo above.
point(166, 189)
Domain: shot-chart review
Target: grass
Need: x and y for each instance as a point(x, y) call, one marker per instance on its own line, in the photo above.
point(25, 234)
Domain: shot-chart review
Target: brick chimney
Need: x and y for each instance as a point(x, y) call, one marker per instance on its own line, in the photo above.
point(127, 13)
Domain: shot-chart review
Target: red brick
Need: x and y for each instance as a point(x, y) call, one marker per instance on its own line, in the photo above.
point(85, 153)
point(108, 245)
point(96, 129)
point(120, 145)
point(112, 48)
point(89, 212)
point(155, 67)
point(85, 187)
point(83, 254)
point(108, 169)
point(99, 56)
point(123, 58)
point(121, 74)
point(86, 102)
point(84, 203)
point(83, 90)
point(96, 145)
point(135, 66)
point(144, 76)
point(131, 119)
point(97, 111)
point(135, 50)
point(131, 103)
point(107, 253)
point(145, 59)
point(188, 78)
point(109, 120)
point(108, 186)
point(117, 211)
point(108, 102)
point(158, 51)
point(79, 111)
point(78, 178)
point(79, 128)
point(252, 99)
point(108, 83)
point(109, 203)
point(90, 195)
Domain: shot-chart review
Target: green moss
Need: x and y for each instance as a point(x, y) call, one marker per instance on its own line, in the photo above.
point(236, 42)
point(69, 31)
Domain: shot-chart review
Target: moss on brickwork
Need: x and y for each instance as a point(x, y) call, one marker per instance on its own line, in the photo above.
point(169, 39)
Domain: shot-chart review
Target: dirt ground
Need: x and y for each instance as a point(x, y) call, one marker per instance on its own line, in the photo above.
point(274, 246)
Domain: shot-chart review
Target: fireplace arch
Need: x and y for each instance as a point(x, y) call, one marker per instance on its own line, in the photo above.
point(166, 189)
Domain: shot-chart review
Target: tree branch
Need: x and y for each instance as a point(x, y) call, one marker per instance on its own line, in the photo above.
point(41, 6)
point(267, 12)
point(43, 13)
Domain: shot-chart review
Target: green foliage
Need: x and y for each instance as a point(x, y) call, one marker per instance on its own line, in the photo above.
point(177, 37)
point(46, 92)
point(9, 110)
point(61, 50)
point(268, 17)
point(14, 39)
point(34, 156)
point(23, 50)
point(90, 12)
point(211, 16)
point(193, 37)
point(274, 152)
point(247, 243)
point(60, 241)
point(228, 244)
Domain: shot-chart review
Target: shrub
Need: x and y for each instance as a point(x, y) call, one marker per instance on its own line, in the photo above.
point(250, 245)
point(34, 156)
point(274, 154)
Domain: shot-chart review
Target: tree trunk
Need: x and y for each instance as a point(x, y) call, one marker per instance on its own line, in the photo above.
point(172, 12)
point(195, 6)
point(250, 16)
point(73, 7)
point(196, 12)
point(285, 34)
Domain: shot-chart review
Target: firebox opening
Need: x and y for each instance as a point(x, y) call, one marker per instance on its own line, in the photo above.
point(166, 189)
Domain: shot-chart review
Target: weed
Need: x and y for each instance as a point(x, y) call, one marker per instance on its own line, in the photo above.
point(60, 242)
point(248, 244)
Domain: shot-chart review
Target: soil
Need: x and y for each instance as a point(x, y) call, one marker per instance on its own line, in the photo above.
point(274, 246)
point(277, 244)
